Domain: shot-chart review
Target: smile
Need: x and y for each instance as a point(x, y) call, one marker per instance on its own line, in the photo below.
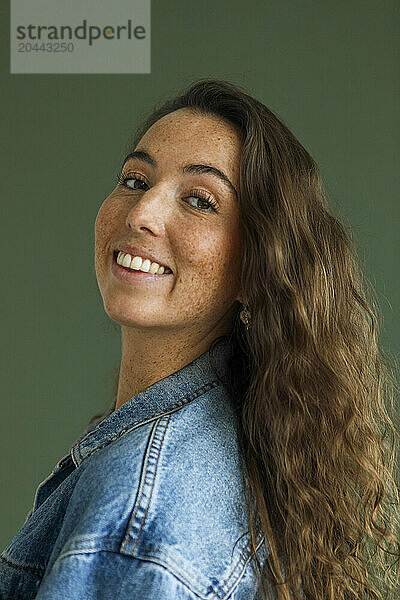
point(137, 263)
point(136, 275)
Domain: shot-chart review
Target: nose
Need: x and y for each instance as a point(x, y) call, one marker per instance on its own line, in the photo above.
point(150, 210)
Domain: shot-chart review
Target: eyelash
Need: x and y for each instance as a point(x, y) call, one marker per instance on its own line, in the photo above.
point(122, 179)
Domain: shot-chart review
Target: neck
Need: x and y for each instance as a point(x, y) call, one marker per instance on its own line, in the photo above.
point(149, 356)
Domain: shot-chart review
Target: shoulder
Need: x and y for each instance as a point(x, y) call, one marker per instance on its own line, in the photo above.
point(190, 507)
point(171, 491)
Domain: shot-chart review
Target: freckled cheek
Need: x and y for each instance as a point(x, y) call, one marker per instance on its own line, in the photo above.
point(108, 210)
point(103, 234)
point(100, 237)
point(195, 252)
point(209, 269)
point(220, 248)
point(106, 222)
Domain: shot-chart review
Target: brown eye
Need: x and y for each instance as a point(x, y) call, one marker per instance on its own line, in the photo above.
point(124, 179)
point(134, 179)
point(205, 200)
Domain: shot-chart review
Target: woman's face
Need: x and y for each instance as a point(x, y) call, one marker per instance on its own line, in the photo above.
point(163, 215)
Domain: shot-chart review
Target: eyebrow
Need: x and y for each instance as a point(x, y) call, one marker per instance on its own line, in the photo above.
point(191, 168)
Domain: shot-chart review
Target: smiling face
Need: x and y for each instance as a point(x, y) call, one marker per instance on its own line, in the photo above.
point(189, 220)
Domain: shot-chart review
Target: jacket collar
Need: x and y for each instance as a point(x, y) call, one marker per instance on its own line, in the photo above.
point(167, 395)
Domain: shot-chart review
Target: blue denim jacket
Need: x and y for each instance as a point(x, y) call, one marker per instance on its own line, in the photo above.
point(147, 504)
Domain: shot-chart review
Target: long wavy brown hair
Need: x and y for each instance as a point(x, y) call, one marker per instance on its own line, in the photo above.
point(313, 389)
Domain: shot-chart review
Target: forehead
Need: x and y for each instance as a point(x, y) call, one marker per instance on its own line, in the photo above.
point(185, 135)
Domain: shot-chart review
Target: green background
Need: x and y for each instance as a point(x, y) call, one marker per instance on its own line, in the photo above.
point(329, 69)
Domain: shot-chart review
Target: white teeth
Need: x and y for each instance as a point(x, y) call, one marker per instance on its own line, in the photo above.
point(126, 261)
point(154, 268)
point(145, 265)
point(136, 262)
point(139, 264)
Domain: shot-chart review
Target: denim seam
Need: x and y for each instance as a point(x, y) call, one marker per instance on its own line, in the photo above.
point(145, 472)
point(225, 587)
point(15, 565)
point(243, 559)
point(239, 568)
point(222, 591)
point(41, 484)
point(164, 565)
point(175, 407)
point(94, 538)
point(71, 553)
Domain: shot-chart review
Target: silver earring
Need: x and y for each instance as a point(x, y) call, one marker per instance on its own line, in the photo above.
point(245, 316)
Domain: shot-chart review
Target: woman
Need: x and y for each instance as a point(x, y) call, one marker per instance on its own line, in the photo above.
point(242, 455)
